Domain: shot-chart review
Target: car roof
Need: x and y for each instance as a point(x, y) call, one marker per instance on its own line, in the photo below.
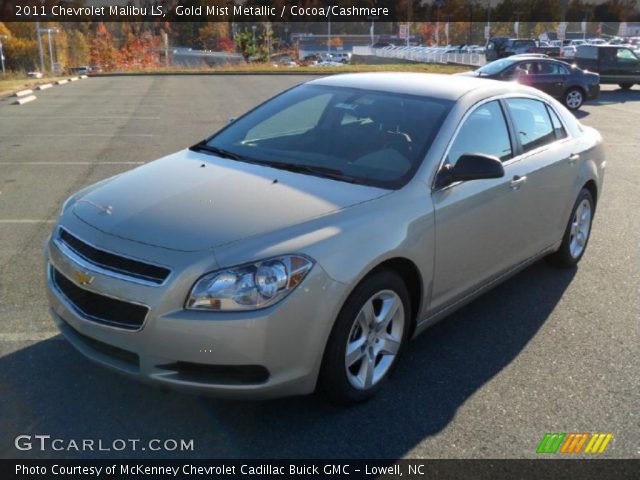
point(446, 87)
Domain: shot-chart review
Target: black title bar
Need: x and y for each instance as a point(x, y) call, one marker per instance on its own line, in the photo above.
point(310, 11)
point(322, 469)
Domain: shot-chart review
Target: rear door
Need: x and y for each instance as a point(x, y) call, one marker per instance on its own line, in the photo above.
point(549, 78)
point(550, 166)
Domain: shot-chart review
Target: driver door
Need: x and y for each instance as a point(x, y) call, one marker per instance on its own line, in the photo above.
point(479, 223)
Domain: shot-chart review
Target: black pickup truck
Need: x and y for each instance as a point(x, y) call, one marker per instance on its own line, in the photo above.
point(615, 64)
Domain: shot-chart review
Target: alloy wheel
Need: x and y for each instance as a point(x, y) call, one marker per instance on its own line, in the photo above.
point(374, 340)
point(580, 227)
point(574, 99)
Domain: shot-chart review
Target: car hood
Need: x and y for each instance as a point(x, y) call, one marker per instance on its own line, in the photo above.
point(470, 73)
point(191, 201)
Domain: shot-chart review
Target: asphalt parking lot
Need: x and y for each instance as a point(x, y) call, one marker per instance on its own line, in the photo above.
point(547, 351)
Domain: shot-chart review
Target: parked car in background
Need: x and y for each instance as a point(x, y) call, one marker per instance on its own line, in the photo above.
point(615, 64)
point(333, 260)
point(569, 84)
point(501, 47)
point(568, 51)
point(82, 70)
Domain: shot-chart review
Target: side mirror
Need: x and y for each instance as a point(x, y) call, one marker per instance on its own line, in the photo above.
point(470, 166)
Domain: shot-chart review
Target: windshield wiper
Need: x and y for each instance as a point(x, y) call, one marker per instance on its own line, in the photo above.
point(326, 172)
point(204, 147)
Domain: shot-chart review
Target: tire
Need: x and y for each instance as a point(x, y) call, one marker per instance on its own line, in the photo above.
point(576, 235)
point(348, 385)
point(625, 86)
point(573, 98)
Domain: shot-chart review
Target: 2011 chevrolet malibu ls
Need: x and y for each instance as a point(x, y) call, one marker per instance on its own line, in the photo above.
point(302, 245)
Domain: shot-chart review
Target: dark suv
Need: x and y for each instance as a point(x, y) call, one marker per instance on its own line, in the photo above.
point(501, 47)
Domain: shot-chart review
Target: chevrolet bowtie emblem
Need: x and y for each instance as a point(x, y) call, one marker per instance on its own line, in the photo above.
point(83, 278)
point(107, 210)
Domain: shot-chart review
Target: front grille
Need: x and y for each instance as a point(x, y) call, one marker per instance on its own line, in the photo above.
point(99, 308)
point(115, 263)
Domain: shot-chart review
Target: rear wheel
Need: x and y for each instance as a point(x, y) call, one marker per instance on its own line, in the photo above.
point(576, 236)
point(574, 98)
point(366, 340)
point(625, 86)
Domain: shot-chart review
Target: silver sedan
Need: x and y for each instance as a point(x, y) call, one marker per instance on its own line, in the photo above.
point(305, 243)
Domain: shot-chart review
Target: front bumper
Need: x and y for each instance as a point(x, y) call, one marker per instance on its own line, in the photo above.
point(593, 93)
point(266, 353)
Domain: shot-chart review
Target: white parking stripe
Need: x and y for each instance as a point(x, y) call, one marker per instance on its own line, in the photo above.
point(72, 163)
point(28, 337)
point(106, 135)
point(23, 220)
point(83, 117)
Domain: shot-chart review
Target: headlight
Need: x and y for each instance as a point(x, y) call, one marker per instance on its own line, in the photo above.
point(249, 287)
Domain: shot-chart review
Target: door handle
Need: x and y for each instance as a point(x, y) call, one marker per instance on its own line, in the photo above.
point(573, 158)
point(517, 182)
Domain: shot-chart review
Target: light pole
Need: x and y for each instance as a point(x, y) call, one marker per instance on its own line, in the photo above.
point(2, 37)
point(48, 31)
point(40, 47)
point(517, 24)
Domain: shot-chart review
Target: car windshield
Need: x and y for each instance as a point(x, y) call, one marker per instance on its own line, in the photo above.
point(352, 135)
point(495, 67)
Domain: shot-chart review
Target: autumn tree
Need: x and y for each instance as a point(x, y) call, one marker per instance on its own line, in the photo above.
point(102, 49)
point(211, 35)
point(78, 49)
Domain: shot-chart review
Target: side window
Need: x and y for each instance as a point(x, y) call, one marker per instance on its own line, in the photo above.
point(560, 69)
point(626, 55)
point(484, 131)
point(532, 123)
point(558, 128)
point(547, 68)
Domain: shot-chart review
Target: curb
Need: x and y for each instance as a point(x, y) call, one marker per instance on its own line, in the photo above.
point(61, 82)
point(23, 100)
point(161, 74)
point(44, 86)
point(23, 93)
point(74, 79)
point(84, 76)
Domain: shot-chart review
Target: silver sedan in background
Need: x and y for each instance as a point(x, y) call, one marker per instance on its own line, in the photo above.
point(302, 245)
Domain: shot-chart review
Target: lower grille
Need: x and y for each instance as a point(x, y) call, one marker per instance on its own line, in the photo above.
point(220, 374)
point(99, 308)
point(124, 356)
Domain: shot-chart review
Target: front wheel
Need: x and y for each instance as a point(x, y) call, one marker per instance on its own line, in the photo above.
point(366, 339)
point(625, 86)
point(576, 236)
point(573, 98)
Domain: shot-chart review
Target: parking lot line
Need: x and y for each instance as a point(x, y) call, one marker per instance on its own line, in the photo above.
point(9, 221)
point(83, 117)
point(29, 336)
point(72, 163)
point(107, 135)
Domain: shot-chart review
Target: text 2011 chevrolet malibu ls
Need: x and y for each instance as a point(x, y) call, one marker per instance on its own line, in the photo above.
point(303, 244)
